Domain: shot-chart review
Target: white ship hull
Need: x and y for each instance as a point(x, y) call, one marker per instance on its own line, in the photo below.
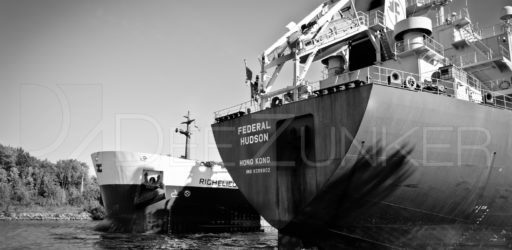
point(192, 196)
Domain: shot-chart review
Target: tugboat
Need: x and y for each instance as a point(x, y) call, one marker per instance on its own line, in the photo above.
point(162, 194)
point(405, 143)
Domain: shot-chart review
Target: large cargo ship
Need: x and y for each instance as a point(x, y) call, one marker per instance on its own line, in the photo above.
point(158, 193)
point(406, 142)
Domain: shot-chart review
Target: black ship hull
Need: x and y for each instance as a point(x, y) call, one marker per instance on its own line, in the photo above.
point(298, 164)
point(188, 210)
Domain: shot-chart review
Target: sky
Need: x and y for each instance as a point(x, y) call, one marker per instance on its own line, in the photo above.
point(78, 77)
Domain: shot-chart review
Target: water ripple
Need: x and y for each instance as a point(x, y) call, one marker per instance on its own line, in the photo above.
point(81, 235)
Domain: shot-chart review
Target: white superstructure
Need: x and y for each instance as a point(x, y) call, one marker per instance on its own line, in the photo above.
point(126, 168)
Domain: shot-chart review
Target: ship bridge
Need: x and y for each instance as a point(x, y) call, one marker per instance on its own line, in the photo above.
point(482, 52)
point(490, 58)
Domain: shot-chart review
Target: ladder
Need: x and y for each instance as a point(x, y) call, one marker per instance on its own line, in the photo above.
point(386, 46)
point(475, 41)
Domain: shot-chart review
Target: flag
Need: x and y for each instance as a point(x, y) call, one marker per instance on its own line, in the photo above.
point(248, 74)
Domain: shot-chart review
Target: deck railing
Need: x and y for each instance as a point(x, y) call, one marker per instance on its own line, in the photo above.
point(477, 57)
point(498, 84)
point(340, 28)
point(456, 15)
point(242, 108)
point(429, 42)
point(382, 76)
point(376, 18)
point(489, 31)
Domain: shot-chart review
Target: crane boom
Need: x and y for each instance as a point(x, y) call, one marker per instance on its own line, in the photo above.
point(285, 48)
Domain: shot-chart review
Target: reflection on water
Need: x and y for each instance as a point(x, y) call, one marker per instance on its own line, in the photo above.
point(81, 235)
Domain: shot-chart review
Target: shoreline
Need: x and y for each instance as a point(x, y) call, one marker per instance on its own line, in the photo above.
point(45, 216)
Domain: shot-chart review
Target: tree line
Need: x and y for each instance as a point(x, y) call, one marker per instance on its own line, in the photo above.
point(26, 180)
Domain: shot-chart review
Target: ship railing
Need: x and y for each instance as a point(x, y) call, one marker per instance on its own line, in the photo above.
point(376, 18)
point(471, 80)
point(463, 76)
point(394, 78)
point(493, 96)
point(398, 79)
point(421, 2)
point(390, 78)
point(238, 110)
point(382, 76)
point(433, 44)
point(500, 101)
point(477, 57)
point(493, 93)
point(418, 2)
point(362, 18)
point(478, 93)
point(456, 15)
point(429, 42)
point(498, 84)
point(494, 30)
point(305, 91)
point(341, 28)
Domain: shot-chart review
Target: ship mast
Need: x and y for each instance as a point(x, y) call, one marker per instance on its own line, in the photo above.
point(187, 133)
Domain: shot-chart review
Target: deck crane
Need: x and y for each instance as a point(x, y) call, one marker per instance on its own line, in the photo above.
point(420, 7)
point(328, 31)
point(288, 47)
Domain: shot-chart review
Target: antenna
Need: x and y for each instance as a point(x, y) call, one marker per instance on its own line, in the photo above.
point(187, 133)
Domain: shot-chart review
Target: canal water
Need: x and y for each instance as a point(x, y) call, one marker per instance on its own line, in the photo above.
point(82, 235)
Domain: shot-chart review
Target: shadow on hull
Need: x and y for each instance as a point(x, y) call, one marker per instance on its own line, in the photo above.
point(372, 179)
point(326, 183)
point(185, 210)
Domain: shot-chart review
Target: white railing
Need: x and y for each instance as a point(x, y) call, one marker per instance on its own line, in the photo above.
point(254, 106)
point(242, 108)
point(376, 18)
point(433, 44)
point(456, 15)
point(341, 28)
point(495, 85)
point(490, 31)
point(429, 42)
point(382, 76)
point(477, 57)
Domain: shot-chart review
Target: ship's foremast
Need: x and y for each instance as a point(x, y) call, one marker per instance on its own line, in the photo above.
point(187, 133)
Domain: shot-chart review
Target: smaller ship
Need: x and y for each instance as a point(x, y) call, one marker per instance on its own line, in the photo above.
point(162, 194)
